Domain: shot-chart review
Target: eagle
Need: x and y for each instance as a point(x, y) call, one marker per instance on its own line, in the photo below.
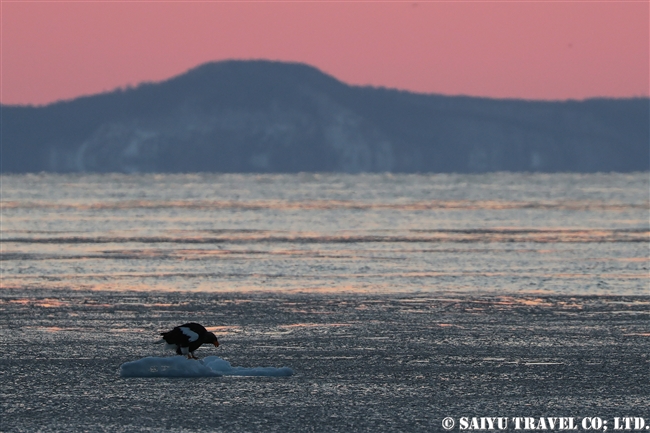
point(185, 339)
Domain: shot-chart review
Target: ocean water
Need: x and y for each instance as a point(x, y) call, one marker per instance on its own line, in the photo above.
point(497, 233)
point(394, 300)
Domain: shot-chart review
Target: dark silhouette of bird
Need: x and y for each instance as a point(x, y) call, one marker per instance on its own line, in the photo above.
point(185, 339)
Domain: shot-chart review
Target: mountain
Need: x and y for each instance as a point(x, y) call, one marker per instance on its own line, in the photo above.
point(261, 116)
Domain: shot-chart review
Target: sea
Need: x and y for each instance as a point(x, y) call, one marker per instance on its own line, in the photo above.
point(397, 300)
point(500, 233)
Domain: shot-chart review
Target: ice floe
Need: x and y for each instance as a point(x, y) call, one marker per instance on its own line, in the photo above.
point(179, 366)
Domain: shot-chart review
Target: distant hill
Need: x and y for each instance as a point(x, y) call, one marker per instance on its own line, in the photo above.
point(260, 116)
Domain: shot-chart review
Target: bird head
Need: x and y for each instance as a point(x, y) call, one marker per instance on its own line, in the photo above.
point(211, 338)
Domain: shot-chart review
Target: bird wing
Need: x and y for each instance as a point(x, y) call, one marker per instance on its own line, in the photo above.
point(191, 335)
point(195, 327)
point(176, 336)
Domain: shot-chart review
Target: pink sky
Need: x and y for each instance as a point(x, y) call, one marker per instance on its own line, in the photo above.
point(535, 50)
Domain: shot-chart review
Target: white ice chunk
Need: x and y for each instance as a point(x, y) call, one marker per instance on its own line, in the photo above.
point(223, 367)
point(193, 336)
point(179, 366)
point(174, 366)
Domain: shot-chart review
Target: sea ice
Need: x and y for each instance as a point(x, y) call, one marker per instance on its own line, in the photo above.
point(179, 366)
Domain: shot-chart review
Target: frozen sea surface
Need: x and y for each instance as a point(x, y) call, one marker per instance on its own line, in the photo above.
point(362, 363)
point(396, 301)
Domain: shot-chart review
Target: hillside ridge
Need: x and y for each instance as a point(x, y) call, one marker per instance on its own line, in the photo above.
point(264, 116)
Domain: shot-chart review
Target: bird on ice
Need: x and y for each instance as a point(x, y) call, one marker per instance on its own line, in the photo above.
point(185, 339)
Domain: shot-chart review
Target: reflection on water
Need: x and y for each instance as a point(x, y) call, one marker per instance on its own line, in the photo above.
point(498, 233)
